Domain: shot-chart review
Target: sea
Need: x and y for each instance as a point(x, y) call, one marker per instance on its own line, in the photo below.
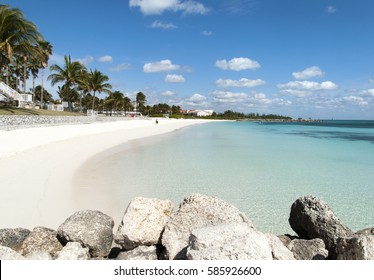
point(259, 167)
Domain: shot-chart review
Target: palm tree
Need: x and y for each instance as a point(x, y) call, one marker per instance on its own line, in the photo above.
point(97, 82)
point(69, 74)
point(44, 50)
point(16, 34)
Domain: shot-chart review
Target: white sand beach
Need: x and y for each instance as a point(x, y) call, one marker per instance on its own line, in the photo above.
point(37, 167)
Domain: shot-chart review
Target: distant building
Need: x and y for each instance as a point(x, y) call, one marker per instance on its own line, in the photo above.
point(200, 113)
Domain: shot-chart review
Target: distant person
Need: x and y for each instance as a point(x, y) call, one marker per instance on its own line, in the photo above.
point(156, 121)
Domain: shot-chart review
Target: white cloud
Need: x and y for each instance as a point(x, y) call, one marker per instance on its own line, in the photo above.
point(196, 100)
point(331, 9)
point(160, 66)
point(156, 7)
point(206, 33)
point(369, 92)
point(228, 97)
point(120, 67)
point(308, 73)
point(162, 25)
point(85, 61)
point(168, 93)
point(172, 78)
point(357, 100)
point(240, 83)
point(308, 85)
point(105, 59)
point(237, 64)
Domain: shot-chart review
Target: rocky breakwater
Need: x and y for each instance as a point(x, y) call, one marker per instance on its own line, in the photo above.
point(202, 228)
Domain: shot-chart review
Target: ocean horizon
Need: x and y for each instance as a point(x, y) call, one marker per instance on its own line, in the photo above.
point(261, 168)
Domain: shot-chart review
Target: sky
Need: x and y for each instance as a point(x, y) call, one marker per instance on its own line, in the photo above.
point(310, 58)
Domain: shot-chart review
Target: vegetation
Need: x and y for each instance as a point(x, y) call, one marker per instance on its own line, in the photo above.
point(35, 112)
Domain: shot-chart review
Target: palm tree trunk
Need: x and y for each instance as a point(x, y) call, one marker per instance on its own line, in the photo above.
point(93, 102)
point(41, 90)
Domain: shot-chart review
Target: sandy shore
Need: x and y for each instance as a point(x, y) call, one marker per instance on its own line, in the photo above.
point(37, 167)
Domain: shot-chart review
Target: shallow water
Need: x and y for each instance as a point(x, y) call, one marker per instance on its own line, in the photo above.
point(260, 168)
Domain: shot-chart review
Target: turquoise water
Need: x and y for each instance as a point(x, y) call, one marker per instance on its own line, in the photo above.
point(260, 168)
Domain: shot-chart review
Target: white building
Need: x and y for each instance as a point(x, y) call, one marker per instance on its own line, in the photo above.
point(200, 113)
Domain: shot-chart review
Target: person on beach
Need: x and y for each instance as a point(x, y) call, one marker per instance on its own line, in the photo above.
point(156, 121)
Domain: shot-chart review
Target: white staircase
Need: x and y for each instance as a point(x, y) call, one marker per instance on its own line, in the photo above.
point(8, 94)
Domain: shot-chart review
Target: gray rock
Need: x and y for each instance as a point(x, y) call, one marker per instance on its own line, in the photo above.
point(139, 253)
point(7, 253)
point(278, 249)
point(39, 255)
point(308, 249)
point(73, 251)
point(366, 231)
point(360, 247)
point(237, 241)
point(311, 218)
point(41, 239)
point(92, 229)
point(143, 222)
point(196, 211)
point(13, 238)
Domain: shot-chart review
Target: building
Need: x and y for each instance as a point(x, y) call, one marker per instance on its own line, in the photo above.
point(200, 113)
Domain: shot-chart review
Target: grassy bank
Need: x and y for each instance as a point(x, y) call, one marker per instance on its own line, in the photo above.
point(36, 112)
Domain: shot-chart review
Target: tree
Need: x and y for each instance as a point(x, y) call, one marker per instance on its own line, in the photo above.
point(47, 97)
point(141, 99)
point(97, 82)
point(17, 36)
point(69, 75)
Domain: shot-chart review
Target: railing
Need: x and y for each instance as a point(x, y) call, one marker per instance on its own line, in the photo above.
point(9, 92)
point(12, 94)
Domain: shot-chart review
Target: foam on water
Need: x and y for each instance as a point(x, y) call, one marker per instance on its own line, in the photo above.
point(260, 168)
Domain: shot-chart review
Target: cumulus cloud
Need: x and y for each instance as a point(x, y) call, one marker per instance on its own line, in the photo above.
point(105, 59)
point(308, 85)
point(308, 73)
point(237, 64)
point(162, 25)
point(369, 92)
point(172, 78)
point(160, 66)
point(229, 97)
point(156, 7)
point(240, 83)
point(196, 100)
point(120, 67)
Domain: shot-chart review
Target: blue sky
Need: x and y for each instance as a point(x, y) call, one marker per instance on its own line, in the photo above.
point(310, 58)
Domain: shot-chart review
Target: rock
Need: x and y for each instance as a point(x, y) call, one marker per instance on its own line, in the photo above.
point(308, 249)
point(366, 231)
point(236, 241)
point(41, 239)
point(13, 238)
point(139, 253)
point(311, 218)
point(278, 249)
point(92, 229)
point(7, 253)
point(196, 211)
point(143, 222)
point(39, 255)
point(73, 251)
point(360, 247)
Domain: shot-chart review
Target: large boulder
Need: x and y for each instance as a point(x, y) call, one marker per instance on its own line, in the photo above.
point(73, 251)
point(13, 238)
point(39, 255)
point(236, 241)
point(41, 239)
point(143, 222)
point(308, 249)
point(194, 212)
point(7, 253)
point(92, 229)
point(311, 218)
point(360, 247)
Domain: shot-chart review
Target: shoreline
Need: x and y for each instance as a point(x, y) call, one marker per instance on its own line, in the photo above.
point(38, 166)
